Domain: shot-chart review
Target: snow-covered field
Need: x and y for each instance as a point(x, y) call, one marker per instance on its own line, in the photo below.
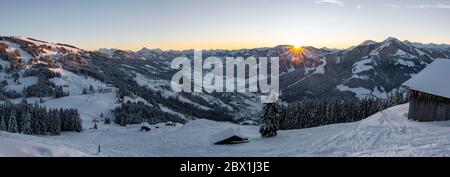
point(387, 133)
point(16, 148)
point(89, 106)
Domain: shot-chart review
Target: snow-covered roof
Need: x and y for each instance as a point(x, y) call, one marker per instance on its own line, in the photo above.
point(225, 135)
point(145, 124)
point(434, 79)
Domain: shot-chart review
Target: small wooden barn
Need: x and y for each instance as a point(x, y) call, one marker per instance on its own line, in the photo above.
point(429, 93)
point(229, 136)
point(145, 127)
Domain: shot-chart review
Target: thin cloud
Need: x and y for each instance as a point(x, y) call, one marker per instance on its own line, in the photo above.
point(335, 2)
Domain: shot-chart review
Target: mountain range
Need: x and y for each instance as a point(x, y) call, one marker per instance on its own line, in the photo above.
point(118, 77)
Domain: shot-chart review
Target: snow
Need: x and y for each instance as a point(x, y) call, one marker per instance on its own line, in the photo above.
point(225, 135)
point(23, 82)
point(128, 66)
point(356, 76)
point(52, 45)
point(362, 92)
point(321, 68)
point(368, 42)
point(213, 100)
point(13, 46)
point(170, 111)
point(387, 133)
point(384, 44)
point(429, 46)
point(89, 106)
point(400, 52)
point(362, 66)
point(164, 87)
point(108, 52)
point(405, 63)
point(152, 69)
point(420, 52)
point(135, 99)
point(76, 83)
point(4, 63)
point(16, 148)
point(433, 79)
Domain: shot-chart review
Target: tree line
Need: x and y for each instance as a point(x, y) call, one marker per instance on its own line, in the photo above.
point(136, 113)
point(43, 88)
point(32, 119)
point(318, 112)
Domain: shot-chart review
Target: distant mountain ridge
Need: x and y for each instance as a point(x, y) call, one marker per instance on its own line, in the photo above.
point(370, 69)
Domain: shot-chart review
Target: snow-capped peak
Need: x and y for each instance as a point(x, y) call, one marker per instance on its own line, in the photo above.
point(49, 47)
point(391, 39)
point(429, 45)
point(368, 42)
point(106, 51)
point(147, 50)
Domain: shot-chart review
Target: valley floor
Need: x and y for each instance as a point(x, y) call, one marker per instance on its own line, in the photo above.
point(387, 133)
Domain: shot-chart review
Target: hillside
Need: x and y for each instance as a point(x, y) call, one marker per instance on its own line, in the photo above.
point(130, 87)
point(370, 69)
point(387, 133)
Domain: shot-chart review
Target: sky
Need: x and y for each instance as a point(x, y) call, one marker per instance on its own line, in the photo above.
point(224, 24)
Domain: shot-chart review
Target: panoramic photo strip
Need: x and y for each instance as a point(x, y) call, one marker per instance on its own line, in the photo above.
point(210, 83)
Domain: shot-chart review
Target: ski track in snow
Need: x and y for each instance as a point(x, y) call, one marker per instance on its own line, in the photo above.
point(387, 133)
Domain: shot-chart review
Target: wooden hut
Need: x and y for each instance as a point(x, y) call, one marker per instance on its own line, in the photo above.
point(229, 136)
point(429, 93)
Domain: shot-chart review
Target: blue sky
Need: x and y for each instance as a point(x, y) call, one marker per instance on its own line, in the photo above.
point(229, 24)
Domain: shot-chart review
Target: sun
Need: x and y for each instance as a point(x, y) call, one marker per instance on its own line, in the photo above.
point(297, 53)
point(297, 45)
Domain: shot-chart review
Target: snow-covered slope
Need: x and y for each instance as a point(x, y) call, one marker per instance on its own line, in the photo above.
point(51, 48)
point(13, 47)
point(387, 133)
point(89, 106)
point(371, 69)
point(16, 148)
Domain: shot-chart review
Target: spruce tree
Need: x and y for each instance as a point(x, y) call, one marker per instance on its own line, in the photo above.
point(2, 124)
point(12, 124)
point(107, 121)
point(26, 124)
point(91, 89)
point(269, 121)
point(56, 123)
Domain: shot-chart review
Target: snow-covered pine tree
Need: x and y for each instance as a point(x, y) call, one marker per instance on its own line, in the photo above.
point(26, 123)
point(2, 124)
point(24, 102)
point(76, 120)
point(107, 121)
point(91, 89)
point(269, 121)
point(56, 123)
point(12, 124)
point(84, 92)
